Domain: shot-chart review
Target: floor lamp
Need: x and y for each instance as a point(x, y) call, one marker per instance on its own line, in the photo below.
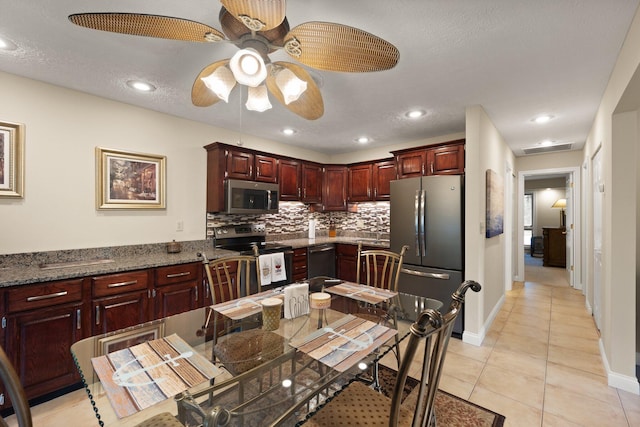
point(561, 204)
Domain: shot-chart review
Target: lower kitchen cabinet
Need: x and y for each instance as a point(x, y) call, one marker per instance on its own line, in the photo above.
point(120, 300)
point(178, 288)
point(41, 324)
point(346, 262)
point(299, 264)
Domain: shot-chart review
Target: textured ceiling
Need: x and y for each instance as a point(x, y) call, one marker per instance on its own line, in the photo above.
point(516, 58)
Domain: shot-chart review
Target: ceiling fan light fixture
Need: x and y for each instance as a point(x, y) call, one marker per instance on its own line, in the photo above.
point(258, 99)
point(290, 85)
point(248, 67)
point(221, 82)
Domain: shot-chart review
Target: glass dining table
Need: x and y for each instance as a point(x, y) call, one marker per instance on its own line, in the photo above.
point(173, 364)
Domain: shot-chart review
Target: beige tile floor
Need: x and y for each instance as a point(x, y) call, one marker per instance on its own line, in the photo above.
point(539, 365)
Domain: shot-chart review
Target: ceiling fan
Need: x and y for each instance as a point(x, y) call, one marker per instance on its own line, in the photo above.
point(258, 28)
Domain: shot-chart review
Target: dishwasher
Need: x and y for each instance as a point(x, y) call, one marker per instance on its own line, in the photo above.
point(321, 260)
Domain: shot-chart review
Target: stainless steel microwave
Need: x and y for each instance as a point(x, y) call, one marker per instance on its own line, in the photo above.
point(250, 197)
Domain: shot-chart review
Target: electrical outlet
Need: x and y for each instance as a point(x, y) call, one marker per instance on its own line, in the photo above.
point(180, 226)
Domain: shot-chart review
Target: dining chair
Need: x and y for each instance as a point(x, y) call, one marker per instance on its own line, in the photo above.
point(9, 378)
point(245, 345)
point(362, 405)
point(380, 268)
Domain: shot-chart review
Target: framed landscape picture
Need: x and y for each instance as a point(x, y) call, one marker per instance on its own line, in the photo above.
point(11, 159)
point(129, 180)
point(495, 204)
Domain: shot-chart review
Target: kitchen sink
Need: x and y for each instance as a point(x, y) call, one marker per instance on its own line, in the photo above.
point(69, 264)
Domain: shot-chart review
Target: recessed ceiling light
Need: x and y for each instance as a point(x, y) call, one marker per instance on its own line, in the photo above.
point(6, 44)
point(363, 140)
point(544, 118)
point(288, 131)
point(141, 86)
point(546, 143)
point(415, 114)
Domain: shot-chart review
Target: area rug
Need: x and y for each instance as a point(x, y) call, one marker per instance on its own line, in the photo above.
point(451, 411)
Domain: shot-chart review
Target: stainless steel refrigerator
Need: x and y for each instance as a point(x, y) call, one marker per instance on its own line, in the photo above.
point(427, 215)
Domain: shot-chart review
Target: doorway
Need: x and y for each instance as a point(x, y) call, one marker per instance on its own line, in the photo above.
point(550, 189)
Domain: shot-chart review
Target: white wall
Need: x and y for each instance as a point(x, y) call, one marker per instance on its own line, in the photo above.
point(618, 296)
point(63, 127)
point(484, 258)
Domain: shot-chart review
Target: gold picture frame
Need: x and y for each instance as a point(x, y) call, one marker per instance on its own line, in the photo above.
point(11, 160)
point(127, 180)
point(129, 338)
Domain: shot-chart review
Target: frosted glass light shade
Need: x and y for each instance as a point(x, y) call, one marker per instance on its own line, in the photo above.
point(290, 85)
point(220, 82)
point(248, 67)
point(258, 99)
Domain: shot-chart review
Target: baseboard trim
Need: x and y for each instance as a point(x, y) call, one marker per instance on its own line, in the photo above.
point(614, 379)
point(477, 338)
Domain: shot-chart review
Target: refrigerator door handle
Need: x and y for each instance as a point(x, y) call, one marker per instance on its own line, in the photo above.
point(441, 276)
point(423, 221)
point(416, 216)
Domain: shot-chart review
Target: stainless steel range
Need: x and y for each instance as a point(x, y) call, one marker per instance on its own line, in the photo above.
point(243, 238)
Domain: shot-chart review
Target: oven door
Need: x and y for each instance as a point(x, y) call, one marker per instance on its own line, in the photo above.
point(249, 197)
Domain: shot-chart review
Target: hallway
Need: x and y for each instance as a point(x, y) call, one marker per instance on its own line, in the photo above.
point(540, 363)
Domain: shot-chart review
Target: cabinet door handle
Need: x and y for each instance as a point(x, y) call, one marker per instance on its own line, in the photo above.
point(117, 285)
point(78, 319)
point(184, 273)
point(48, 296)
point(97, 315)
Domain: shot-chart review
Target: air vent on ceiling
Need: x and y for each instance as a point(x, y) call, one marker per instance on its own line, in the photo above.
point(549, 149)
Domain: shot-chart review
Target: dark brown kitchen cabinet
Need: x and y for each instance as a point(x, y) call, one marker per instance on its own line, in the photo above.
point(346, 261)
point(360, 183)
point(439, 159)
point(226, 161)
point(299, 264)
point(41, 324)
point(120, 300)
point(411, 164)
point(179, 288)
point(383, 173)
point(289, 178)
point(311, 183)
point(446, 160)
point(555, 247)
point(334, 194)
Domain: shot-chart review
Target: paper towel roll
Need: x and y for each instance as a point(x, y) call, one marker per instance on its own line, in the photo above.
point(312, 228)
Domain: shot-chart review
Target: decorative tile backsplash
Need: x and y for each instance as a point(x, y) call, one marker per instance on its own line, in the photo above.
point(292, 221)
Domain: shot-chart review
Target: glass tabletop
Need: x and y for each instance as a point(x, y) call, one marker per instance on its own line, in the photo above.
point(280, 383)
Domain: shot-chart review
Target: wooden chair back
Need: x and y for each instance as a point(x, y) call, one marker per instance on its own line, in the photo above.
point(230, 277)
point(381, 267)
point(13, 387)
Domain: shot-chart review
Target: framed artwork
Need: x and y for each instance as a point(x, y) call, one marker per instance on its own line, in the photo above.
point(128, 339)
point(11, 159)
point(495, 204)
point(129, 180)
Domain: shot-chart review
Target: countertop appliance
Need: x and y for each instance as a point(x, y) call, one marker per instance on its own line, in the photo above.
point(427, 215)
point(243, 237)
point(250, 197)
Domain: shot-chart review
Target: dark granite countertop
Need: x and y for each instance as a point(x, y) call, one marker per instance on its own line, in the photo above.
point(23, 269)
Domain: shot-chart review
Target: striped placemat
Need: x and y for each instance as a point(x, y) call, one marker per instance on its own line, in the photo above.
point(363, 293)
point(241, 308)
point(140, 376)
point(345, 342)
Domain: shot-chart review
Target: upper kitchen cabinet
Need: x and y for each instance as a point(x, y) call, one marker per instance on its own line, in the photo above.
point(360, 182)
point(334, 197)
point(311, 183)
point(226, 161)
point(383, 173)
point(440, 159)
point(290, 174)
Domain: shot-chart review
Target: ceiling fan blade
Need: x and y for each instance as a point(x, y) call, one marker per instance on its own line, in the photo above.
point(136, 24)
point(310, 104)
point(257, 15)
point(337, 47)
point(201, 95)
